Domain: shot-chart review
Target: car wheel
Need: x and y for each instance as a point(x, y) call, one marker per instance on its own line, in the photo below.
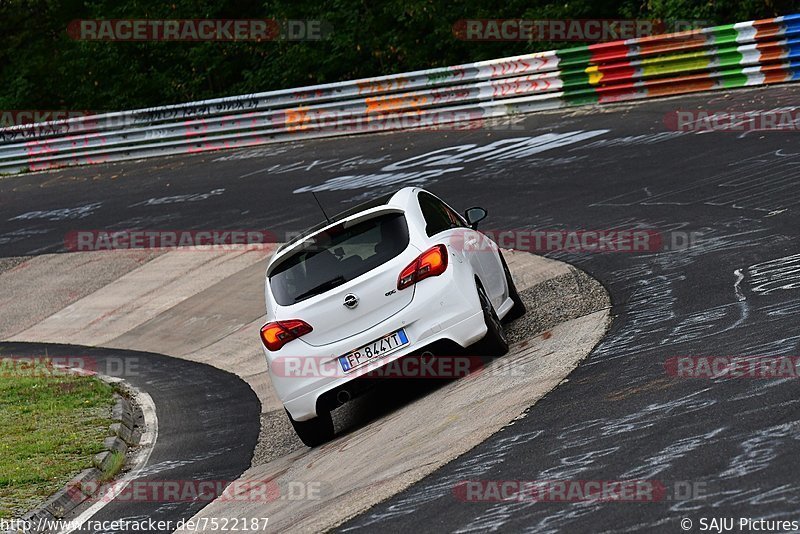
point(315, 431)
point(519, 307)
point(494, 343)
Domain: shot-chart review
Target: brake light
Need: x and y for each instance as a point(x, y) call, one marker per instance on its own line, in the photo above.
point(432, 262)
point(276, 335)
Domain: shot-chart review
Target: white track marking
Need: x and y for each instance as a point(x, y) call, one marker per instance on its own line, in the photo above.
point(739, 277)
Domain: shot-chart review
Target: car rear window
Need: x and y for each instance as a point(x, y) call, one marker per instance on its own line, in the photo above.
point(338, 255)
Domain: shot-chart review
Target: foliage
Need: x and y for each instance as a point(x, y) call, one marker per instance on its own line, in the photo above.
point(41, 67)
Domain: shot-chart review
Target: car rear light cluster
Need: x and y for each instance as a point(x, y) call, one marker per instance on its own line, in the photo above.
point(432, 262)
point(277, 334)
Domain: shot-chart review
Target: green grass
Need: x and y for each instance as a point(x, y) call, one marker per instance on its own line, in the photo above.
point(117, 462)
point(51, 425)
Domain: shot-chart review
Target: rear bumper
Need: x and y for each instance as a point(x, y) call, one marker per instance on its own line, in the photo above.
point(440, 311)
point(304, 406)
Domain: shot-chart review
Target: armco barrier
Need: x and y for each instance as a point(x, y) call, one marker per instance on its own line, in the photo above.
point(747, 53)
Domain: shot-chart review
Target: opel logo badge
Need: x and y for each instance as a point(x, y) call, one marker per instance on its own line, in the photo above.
point(350, 301)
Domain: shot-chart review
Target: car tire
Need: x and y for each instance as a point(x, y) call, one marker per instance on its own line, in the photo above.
point(316, 431)
point(519, 309)
point(495, 342)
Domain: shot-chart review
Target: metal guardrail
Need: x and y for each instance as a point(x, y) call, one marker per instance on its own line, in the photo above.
point(747, 53)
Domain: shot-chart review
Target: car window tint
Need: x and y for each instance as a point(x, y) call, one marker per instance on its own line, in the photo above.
point(438, 216)
point(338, 255)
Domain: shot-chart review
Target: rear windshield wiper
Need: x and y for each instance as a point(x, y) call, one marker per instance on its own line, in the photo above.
point(321, 288)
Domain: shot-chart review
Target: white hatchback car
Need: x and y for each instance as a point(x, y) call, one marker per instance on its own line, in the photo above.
point(395, 276)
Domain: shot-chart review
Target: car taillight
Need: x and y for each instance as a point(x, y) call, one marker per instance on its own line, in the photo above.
point(432, 262)
point(276, 335)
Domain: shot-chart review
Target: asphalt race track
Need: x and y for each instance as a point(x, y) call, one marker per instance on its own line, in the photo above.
point(733, 291)
point(205, 424)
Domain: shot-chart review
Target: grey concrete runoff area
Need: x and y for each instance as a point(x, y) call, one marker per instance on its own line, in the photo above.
point(169, 300)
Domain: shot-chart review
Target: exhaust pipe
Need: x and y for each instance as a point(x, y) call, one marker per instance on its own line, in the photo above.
point(343, 396)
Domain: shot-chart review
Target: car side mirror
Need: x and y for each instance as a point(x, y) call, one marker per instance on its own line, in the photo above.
point(474, 216)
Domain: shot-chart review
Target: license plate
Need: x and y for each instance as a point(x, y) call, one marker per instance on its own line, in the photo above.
point(373, 351)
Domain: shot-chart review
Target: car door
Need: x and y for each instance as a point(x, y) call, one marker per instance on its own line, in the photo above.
point(492, 268)
point(476, 248)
